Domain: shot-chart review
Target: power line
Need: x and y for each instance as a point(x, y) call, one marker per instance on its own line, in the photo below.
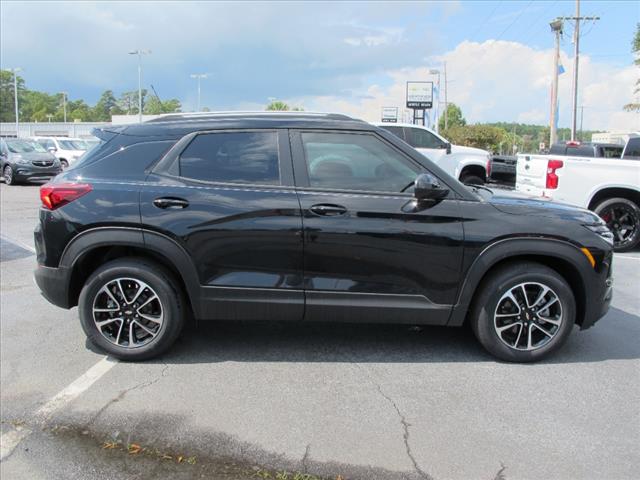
point(515, 20)
point(471, 37)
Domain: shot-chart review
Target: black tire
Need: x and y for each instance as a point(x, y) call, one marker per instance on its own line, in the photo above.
point(471, 179)
point(623, 239)
point(7, 173)
point(493, 289)
point(64, 164)
point(163, 285)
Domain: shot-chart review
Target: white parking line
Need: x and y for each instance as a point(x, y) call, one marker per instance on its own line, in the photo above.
point(626, 257)
point(10, 440)
point(20, 244)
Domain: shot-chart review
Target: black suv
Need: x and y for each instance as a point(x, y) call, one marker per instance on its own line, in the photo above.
point(306, 217)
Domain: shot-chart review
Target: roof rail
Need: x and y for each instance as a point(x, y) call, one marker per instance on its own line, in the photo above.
point(168, 117)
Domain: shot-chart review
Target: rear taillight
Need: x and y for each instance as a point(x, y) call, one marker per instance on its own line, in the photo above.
point(552, 177)
point(488, 167)
point(54, 195)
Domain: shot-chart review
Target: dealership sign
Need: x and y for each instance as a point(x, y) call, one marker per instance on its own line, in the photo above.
point(390, 114)
point(419, 95)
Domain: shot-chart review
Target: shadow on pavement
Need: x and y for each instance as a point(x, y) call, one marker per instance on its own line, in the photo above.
point(613, 338)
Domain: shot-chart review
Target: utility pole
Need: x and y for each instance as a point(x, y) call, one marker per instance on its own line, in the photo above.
point(434, 71)
point(446, 105)
point(64, 105)
point(140, 52)
point(576, 62)
point(556, 27)
point(581, 118)
point(199, 76)
point(15, 92)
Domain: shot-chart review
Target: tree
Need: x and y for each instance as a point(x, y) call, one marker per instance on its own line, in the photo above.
point(454, 117)
point(7, 99)
point(278, 106)
point(155, 106)
point(106, 107)
point(479, 136)
point(635, 44)
point(129, 101)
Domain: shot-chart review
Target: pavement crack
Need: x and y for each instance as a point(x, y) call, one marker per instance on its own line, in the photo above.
point(403, 421)
point(123, 393)
point(305, 458)
point(500, 475)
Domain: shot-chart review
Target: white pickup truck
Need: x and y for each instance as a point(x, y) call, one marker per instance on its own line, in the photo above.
point(608, 186)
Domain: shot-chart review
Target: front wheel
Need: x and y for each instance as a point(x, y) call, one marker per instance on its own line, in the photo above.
point(132, 309)
point(472, 180)
point(523, 312)
point(622, 216)
point(9, 179)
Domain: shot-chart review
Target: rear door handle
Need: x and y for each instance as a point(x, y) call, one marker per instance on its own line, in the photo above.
point(328, 210)
point(170, 202)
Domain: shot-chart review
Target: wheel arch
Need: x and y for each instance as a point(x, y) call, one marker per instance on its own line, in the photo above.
point(563, 257)
point(92, 248)
point(473, 169)
point(614, 192)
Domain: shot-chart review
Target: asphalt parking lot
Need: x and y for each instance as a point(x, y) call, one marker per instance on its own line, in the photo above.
point(252, 400)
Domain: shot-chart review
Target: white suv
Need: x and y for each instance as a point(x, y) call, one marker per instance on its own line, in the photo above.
point(467, 164)
point(67, 150)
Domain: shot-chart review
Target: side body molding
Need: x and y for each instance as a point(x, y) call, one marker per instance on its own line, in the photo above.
point(514, 247)
point(162, 245)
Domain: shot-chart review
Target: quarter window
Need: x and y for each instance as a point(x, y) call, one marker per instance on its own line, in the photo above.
point(355, 162)
point(419, 138)
point(232, 157)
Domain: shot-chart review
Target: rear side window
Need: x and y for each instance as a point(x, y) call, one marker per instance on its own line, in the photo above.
point(232, 157)
point(418, 138)
point(128, 161)
point(632, 149)
point(581, 151)
point(397, 131)
point(611, 152)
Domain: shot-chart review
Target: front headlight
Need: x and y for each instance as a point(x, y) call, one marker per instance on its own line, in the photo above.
point(601, 229)
point(20, 159)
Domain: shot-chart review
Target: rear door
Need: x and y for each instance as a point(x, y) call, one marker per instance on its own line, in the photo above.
point(227, 198)
point(371, 252)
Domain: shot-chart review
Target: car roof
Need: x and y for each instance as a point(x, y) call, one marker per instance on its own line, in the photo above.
point(183, 123)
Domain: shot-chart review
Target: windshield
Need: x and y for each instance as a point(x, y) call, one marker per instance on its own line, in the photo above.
point(72, 144)
point(24, 146)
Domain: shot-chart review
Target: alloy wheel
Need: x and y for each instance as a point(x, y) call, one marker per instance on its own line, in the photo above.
point(8, 175)
point(528, 316)
point(128, 312)
point(623, 222)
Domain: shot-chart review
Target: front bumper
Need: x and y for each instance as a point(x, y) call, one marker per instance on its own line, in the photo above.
point(54, 284)
point(32, 173)
point(599, 294)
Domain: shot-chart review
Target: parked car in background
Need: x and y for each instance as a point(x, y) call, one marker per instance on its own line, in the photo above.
point(306, 217)
point(67, 150)
point(23, 160)
point(503, 169)
point(608, 186)
point(587, 149)
point(467, 164)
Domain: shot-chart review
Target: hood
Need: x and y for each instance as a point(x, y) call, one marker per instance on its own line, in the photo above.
point(34, 156)
point(518, 204)
point(468, 150)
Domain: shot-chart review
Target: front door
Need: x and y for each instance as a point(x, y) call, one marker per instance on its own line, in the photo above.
point(227, 198)
point(372, 253)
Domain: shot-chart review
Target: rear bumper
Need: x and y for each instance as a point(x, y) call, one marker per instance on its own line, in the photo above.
point(53, 284)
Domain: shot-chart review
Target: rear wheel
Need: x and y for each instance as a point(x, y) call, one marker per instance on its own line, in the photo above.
point(471, 179)
point(523, 312)
point(623, 219)
point(132, 309)
point(9, 179)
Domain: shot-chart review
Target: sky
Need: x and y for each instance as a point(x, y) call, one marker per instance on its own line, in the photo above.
point(349, 57)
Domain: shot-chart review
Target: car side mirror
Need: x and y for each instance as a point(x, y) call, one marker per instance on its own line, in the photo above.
point(447, 147)
point(428, 187)
point(52, 149)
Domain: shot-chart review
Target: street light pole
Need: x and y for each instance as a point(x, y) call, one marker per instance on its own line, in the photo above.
point(199, 76)
point(446, 105)
point(64, 105)
point(556, 27)
point(15, 92)
point(140, 52)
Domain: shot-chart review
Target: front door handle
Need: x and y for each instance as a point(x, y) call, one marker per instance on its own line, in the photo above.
point(170, 202)
point(328, 210)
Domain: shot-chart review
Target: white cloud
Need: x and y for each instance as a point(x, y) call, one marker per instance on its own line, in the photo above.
point(505, 81)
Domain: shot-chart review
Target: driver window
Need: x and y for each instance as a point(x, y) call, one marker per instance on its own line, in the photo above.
point(419, 138)
point(351, 161)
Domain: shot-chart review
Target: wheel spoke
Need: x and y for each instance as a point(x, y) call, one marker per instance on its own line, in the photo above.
point(519, 335)
point(124, 297)
point(151, 318)
point(541, 296)
point(524, 293)
point(506, 315)
point(131, 336)
point(105, 310)
point(141, 288)
point(513, 300)
point(146, 302)
point(548, 334)
point(108, 292)
point(529, 345)
point(119, 333)
point(149, 331)
point(552, 321)
point(548, 304)
point(108, 322)
point(507, 327)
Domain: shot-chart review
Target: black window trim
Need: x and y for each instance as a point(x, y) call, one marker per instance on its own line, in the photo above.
point(285, 169)
point(302, 174)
